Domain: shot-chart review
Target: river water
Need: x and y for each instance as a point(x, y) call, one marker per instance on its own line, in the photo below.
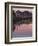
point(22, 30)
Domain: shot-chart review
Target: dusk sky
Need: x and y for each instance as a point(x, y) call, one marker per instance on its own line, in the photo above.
point(22, 9)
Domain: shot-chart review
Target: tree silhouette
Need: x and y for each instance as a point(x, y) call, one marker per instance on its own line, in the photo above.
point(21, 17)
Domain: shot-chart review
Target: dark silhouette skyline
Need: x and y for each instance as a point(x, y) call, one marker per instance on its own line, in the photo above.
point(24, 14)
point(20, 17)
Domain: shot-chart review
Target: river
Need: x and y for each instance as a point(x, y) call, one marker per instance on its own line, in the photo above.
point(22, 30)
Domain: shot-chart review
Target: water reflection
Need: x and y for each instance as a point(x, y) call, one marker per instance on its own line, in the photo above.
point(22, 30)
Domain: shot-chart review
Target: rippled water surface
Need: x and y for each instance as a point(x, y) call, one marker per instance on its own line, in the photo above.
point(22, 30)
